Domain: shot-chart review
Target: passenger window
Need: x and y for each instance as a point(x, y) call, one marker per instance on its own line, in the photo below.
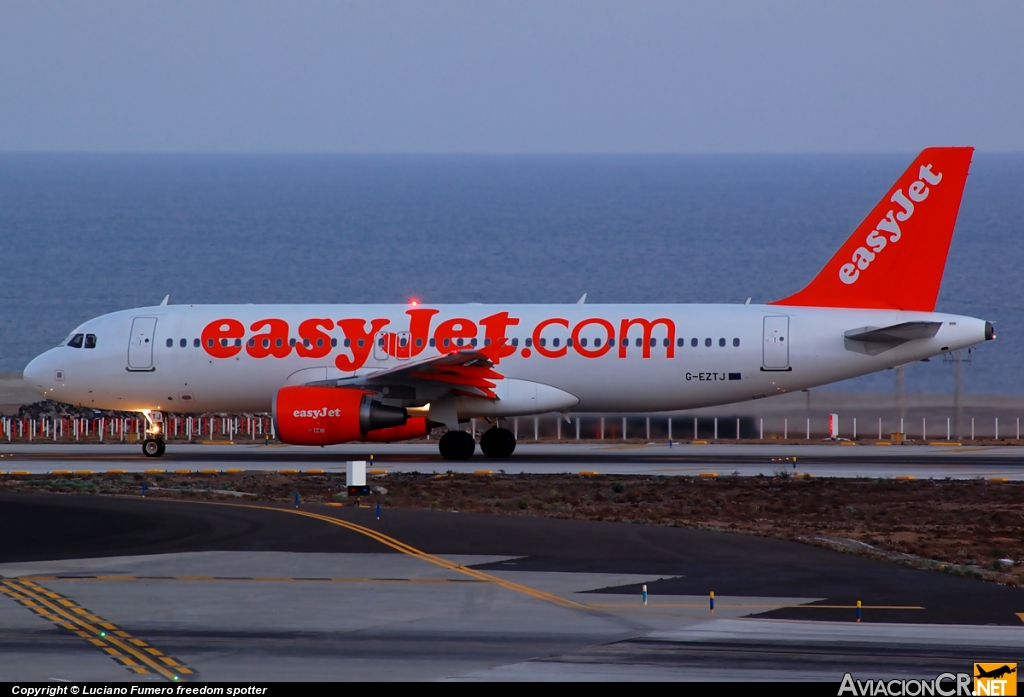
point(529, 342)
point(447, 342)
point(90, 341)
point(554, 342)
point(224, 343)
point(238, 343)
point(380, 343)
point(402, 342)
point(291, 341)
point(279, 343)
point(543, 341)
point(458, 342)
point(639, 342)
point(583, 343)
point(209, 343)
point(252, 342)
point(665, 342)
point(320, 343)
point(183, 343)
point(568, 342)
point(611, 342)
point(76, 341)
point(348, 342)
point(597, 343)
point(707, 342)
point(487, 342)
point(419, 342)
point(515, 341)
point(432, 343)
point(361, 343)
point(266, 343)
point(654, 342)
point(306, 343)
point(693, 341)
point(473, 342)
point(196, 343)
point(170, 343)
point(736, 342)
point(680, 342)
point(334, 343)
point(721, 342)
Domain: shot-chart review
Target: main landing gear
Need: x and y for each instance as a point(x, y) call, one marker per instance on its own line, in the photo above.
point(498, 442)
point(153, 447)
point(459, 445)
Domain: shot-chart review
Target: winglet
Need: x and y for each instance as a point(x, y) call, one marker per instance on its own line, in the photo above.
point(165, 300)
point(894, 259)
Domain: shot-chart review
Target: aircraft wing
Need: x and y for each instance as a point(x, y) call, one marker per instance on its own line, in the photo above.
point(468, 372)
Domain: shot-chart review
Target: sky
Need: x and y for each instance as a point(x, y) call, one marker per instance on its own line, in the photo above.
point(527, 76)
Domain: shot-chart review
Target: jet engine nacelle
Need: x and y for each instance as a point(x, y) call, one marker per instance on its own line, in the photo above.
point(332, 415)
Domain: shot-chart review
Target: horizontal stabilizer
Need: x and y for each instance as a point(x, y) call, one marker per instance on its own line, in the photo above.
point(875, 340)
point(896, 334)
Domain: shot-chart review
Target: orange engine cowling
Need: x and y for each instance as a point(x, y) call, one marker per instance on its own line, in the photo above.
point(415, 427)
point(332, 415)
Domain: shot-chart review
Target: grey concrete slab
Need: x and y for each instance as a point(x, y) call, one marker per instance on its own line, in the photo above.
point(751, 649)
point(235, 630)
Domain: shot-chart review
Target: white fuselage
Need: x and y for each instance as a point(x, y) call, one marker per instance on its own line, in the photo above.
point(159, 358)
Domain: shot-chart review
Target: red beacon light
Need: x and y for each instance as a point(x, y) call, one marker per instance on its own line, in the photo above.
point(414, 302)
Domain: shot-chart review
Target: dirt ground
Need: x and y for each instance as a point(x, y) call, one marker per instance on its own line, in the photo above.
point(958, 526)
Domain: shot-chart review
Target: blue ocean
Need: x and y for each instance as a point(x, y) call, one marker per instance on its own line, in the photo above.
point(81, 235)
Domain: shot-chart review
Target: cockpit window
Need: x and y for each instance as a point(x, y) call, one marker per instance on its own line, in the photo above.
point(90, 341)
point(76, 341)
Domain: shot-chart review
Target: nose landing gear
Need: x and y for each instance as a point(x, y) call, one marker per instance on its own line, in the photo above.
point(153, 447)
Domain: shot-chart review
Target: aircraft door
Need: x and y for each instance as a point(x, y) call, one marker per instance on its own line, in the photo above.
point(140, 344)
point(388, 344)
point(775, 354)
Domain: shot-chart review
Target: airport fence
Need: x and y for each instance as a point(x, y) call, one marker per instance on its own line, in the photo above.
point(133, 429)
point(549, 427)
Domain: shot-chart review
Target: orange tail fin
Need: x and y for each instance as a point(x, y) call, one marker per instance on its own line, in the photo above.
point(894, 260)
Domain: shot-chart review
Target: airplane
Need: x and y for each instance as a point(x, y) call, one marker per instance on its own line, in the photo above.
point(994, 673)
point(332, 374)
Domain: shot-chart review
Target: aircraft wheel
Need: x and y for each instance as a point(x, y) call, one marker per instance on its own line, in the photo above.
point(152, 447)
point(498, 442)
point(457, 445)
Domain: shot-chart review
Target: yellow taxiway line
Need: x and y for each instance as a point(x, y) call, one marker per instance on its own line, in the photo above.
point(113, 640)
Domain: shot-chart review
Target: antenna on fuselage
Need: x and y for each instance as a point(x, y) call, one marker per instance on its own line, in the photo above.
point(164, 301)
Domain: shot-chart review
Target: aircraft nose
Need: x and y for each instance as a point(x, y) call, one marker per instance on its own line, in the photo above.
point(35, 373)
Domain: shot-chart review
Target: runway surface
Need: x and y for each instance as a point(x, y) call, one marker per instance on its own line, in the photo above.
point(920, 461)
point(213, 591)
